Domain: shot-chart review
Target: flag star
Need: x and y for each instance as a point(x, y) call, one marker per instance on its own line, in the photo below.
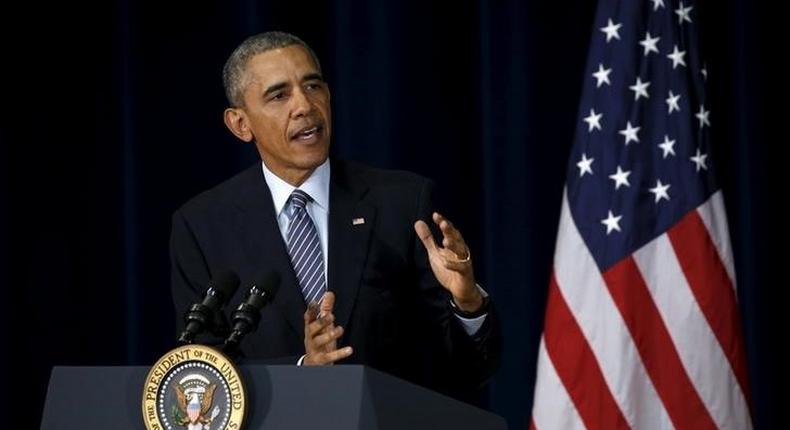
point(660, 191)
point(672, 102)
point(611, 30)
point(630, 133)
point(702, 116)
point(640, 89)
point(668, 146)
point(602, 76)
point(683, 13)
point(699, 160)
point(657, 4)
point(620, 178)
point(611, 222)
point(677, 57)
point(585, 165)
point(593, 120)
point(650, 43)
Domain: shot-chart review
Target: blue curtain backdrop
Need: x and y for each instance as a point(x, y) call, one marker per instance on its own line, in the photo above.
point(112, 119)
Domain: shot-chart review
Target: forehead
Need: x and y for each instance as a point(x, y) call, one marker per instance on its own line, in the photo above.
point(280, 65)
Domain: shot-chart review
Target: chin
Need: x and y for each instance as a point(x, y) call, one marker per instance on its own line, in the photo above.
point(311, 161)
point(317, 151)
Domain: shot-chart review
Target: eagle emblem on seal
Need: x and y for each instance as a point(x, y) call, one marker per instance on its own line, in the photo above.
point(195, 395)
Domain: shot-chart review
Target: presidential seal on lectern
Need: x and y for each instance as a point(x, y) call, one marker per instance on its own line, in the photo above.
point(194, 387)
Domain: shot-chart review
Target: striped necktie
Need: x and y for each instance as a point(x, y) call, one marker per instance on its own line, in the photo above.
point(304, 247)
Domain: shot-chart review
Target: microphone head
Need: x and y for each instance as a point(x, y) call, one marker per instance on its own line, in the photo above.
point(268, 282)
point(206, 315)
point(247, 316)
point(262, 291)
point(224, 284)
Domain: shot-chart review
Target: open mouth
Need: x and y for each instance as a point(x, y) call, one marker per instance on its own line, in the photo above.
point(308, 133)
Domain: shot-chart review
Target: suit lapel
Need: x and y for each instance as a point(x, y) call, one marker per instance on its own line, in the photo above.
point(350, 224)
point(260, 235)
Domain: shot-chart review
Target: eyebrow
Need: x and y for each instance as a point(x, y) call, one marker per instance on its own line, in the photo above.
point(280, 85)
point(313, 77)
point(275, 87)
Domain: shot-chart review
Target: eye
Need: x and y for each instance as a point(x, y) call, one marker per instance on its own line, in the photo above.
point(314, 86)
point(277, 96)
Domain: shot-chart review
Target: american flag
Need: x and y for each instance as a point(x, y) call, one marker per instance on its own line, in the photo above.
point(642, 328)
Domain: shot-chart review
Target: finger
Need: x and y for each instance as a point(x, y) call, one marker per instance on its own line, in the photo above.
point(458, 248)
point(338, 354)
point(310, 315)
point(451, 261)
point(453, 240)
point(327, 303)
point(318, 325)
point(440, 219)
point(326, 338)
point(449, 231)
point(444, 224)
point(424, 233)
point(447, 228)
point(456, 266)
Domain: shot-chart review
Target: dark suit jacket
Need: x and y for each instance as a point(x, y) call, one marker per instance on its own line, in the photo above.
point(395, 313)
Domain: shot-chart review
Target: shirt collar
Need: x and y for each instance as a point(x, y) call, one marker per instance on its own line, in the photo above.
point(316, 185)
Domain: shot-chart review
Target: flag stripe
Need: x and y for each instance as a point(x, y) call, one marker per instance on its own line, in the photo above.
point(706, 276)
point(552, 408)
point(693, 338)
point(655, 346)
point(577, 366)
point(713, 216)
point(586, 294)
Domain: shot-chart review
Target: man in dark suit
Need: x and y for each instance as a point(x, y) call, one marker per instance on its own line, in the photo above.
point(363, 279)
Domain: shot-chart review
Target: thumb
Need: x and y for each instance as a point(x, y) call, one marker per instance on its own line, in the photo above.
point(424, 233)
point(328, 303)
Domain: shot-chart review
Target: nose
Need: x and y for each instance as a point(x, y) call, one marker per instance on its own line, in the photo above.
point(301, 103)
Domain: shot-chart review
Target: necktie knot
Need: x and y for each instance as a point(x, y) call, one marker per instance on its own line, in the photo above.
point(298, 200)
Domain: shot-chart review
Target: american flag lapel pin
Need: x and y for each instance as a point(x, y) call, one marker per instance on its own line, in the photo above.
point(357, 221)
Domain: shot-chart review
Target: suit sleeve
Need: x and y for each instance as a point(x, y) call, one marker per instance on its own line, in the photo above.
point(466, 362)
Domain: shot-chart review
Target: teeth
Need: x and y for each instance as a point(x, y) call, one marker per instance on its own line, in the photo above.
point(307, 133)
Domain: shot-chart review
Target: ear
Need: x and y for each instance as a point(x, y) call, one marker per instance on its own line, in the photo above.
point(237, 122)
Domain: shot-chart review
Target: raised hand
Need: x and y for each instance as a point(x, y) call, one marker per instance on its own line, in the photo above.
point(451, 263)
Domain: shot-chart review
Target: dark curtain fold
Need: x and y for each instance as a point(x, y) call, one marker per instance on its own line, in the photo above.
point(114, 120)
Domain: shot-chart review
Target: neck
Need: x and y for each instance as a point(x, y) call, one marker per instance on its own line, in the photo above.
point(295, 177)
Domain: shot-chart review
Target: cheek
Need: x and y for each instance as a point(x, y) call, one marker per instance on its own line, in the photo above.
point(320, 101)
point(270, 131)
point(326, 111)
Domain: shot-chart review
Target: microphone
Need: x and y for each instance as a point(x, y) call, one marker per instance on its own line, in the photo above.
point(200, 316)
point(247, 316)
